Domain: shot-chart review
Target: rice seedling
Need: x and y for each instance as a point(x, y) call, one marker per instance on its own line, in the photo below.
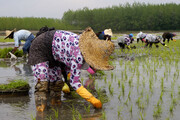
point(126, 102)
point(55, 113)
point(123, 88)
point(49, 117)
point(105, 79)
point(87, 108)
point(33, 118)
point(112, 75)
point(161, 95)
point(119, 112)
point(171, 108)
point(141, 116)
point(157, 111)
point(162, 83)
point(111, 90)
point(103, 117)
point(75, 114)
point(131, 109)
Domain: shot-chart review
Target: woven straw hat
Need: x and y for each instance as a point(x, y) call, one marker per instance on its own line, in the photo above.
point(108, 32)
point(96, 52)
point(8, 33)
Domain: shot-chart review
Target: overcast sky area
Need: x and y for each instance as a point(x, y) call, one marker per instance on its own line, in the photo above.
point(56, 8)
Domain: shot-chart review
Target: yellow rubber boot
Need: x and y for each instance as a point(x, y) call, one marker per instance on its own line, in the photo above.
point(84, 93)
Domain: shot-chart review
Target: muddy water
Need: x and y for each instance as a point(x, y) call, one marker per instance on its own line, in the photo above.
point(133, 91)
point(22, 107)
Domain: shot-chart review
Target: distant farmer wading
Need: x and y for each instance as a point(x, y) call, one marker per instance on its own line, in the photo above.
point(58, 46)
point(19, 35)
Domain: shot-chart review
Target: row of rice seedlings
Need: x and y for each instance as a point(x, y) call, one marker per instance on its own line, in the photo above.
point(151, 72)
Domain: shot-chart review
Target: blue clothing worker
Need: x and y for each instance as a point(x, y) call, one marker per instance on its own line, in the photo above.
point(19, 35)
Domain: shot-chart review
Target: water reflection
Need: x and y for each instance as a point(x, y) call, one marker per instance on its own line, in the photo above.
point(23, 106)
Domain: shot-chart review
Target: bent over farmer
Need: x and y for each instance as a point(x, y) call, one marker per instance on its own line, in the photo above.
point(168, 36)
point(125, 41)
point(153, 39)
point(75, 51)
point(19, 35)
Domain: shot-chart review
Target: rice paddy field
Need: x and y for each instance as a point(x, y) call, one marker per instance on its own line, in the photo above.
point(145, 85)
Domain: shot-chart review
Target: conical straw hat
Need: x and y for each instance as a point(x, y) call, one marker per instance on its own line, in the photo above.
point(108, 32)
point(8, 33)
point(96, 52)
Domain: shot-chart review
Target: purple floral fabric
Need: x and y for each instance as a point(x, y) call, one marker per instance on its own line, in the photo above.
point(42, 72)
point(65, 48)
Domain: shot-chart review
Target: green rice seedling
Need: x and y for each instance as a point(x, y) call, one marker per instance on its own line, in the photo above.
point(171, 94)
point(147, 98)
point(119, 112)
point(161, 95)
point(33, 118)
point(87, 108)
point(157, 111)
point(105, 79)
point(126, 102)
point(162, 83)
point(121, 62)
point(143, 81)
point(103, 117)
point(141, 116)
point(167, 118)
point(15, 85)
point(131, 109)
point(119, 96)
point(129, 94)
point(82, 79)
point(119, 82)
point(112, 75)
point(115, 78)
point(171, 108)
point(175, 101)
point(122, 74)
point(102, 96)
point(138, 101)
point(111, 90)
point(55, 113)
point(142, 92)
point(49, 117)
point(123, 88)
point(130, 82)
point(75, 113)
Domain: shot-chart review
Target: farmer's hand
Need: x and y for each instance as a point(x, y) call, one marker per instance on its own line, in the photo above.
point(84, 93)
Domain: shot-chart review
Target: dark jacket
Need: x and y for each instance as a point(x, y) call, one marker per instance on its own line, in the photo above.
point(167, 35)
point(44, 53)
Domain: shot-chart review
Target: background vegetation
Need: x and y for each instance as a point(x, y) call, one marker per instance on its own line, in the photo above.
point(128, 17)
point(31, 23)
point(138, 16)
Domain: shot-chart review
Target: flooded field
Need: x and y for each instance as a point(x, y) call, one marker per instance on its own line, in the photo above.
point(144, 85)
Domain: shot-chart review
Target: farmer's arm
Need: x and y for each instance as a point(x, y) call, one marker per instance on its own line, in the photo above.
point(76, 84)
point(16, 44)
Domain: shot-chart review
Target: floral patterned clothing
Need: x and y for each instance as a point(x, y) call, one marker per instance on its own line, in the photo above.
point(65, 48)
point(42, 72)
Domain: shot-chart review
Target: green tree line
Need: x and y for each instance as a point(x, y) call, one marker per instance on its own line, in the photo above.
point(31, 23)
point(127, 17)
point(136, 16)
